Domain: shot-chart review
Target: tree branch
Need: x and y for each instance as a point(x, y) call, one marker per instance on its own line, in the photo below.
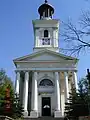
point(75, 38)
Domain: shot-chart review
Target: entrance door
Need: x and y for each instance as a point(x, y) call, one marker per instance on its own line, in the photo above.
point(46, 106)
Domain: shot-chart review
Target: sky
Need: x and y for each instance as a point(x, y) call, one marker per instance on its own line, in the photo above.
point(16, 31)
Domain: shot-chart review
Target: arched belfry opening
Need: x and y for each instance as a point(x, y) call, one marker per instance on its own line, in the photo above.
point(45, 33)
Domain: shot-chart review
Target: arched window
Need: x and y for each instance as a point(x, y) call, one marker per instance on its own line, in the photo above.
point(46, 82)
point(45, 33)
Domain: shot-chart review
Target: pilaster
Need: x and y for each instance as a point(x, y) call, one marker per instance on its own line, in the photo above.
point(66, 86)
point(74, 79)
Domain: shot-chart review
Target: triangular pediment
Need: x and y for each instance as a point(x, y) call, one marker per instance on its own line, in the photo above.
point(45, 55)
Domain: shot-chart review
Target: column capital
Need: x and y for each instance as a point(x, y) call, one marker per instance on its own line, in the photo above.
point(26, 71)
point(35, 74)
point(16, 71)
point(65, 73)
point(74, 71)
point(56, 73)
point(26, 75)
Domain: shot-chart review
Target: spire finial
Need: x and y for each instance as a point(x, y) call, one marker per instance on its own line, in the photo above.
point(46, 1)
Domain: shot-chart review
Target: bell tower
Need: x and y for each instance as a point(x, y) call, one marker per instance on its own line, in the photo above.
point(46, 29)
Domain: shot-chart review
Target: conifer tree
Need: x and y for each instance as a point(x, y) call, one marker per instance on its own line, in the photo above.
point(77, 104)
point(10, 104)
point(70, 108)
point(17, 108)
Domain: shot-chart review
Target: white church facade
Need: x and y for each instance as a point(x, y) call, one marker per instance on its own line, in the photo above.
point(44, 78)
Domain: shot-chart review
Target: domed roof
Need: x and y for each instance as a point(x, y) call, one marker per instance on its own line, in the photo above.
point(44, 8)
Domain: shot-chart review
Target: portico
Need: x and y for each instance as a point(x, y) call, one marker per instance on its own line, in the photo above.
point(40, 91)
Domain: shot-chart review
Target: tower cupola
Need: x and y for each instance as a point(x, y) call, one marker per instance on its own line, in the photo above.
point(46, 11)
point(46, 29)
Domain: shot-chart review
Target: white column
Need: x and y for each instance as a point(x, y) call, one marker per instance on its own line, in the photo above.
point(57, 91)
point(17, 82)
point(58, 112)
point(34, 112)
point(35, 96)
point(66, 86)
point(74, 78)
point(25, 95)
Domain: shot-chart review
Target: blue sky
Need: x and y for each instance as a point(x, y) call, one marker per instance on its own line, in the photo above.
point(16, 31)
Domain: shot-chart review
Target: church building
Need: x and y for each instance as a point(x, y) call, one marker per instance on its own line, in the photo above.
point(44, 78)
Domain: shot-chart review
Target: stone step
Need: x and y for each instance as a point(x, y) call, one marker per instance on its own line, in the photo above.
point(43, 118)
point(5, 118)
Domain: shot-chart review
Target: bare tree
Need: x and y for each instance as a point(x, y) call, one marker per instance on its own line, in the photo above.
point(77, 39)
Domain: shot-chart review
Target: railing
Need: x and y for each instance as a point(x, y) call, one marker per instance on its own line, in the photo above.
point(46, 41)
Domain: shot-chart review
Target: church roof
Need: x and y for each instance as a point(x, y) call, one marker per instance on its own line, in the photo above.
point(65, 57)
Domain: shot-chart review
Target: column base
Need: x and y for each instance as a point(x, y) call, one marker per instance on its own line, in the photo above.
point(33, 114)
point(58, 114)
point(25, 113)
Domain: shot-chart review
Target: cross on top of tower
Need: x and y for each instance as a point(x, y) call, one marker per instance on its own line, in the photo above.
point(46, 1)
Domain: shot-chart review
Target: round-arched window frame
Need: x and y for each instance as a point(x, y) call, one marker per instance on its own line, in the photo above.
point(45, 33)
point(46, 82)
